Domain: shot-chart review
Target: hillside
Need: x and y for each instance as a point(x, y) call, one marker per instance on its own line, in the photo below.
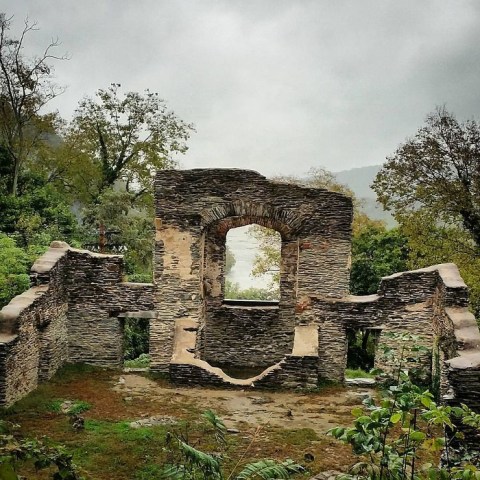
point(359, 180)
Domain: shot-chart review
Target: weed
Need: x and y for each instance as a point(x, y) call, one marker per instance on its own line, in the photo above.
point(69, 407)
point(357, 373)
point(143, 361)
point(298, 437)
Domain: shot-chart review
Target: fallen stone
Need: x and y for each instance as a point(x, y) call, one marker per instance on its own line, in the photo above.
point(153, 421)
point(360, 381)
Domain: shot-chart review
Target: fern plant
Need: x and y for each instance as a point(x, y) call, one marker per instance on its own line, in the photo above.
point(191, 463)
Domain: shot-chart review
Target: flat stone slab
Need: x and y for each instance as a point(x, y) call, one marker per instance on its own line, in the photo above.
point(466, 360)
point(153, 421)
point(360, 381)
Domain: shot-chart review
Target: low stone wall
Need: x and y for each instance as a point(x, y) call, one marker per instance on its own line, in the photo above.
point(246, 336)
point(418, 302)
point(68, 315)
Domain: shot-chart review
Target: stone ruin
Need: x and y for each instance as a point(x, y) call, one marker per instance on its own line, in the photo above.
point(77, 303)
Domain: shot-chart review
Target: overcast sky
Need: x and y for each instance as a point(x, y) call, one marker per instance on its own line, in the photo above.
point(272, 85)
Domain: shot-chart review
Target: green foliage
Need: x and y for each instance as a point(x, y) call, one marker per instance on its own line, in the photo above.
point(15, 452)
point(269, 469)
point(190, 462)
point(376, 253)
point(362, 345)
point(129, 224)
point(142, 361)
point(136, 338)
point(123, 138)
point(393, 434)
point(357, 373)
point(233, 292)
point(14, 264)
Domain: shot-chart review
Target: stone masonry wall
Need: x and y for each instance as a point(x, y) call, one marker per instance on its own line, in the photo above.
point(96, 297)
point(194, 211)
point(407, 302)
point(69, 314)
point(246, 337)
point(33, 340)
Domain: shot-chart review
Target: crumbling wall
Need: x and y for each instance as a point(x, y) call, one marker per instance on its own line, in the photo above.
point(33, 337)
point(194, 211)
point(96, 296)
point(68, 315)
point(74, 310)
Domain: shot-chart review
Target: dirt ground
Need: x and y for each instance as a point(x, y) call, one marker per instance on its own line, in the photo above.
point(318, 411)
point(261, 424)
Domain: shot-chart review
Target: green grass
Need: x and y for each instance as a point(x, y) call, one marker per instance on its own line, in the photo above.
point(296, 436)
point(143, 361)
point(357, 373)
point(77, 407)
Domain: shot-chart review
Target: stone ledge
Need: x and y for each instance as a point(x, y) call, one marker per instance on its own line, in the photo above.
point(49, 259)
point(467, 337)
point(460, 317)
point(467, 360)
point(10, 313)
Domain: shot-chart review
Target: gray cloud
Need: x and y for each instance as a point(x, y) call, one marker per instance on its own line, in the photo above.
point(276, 86)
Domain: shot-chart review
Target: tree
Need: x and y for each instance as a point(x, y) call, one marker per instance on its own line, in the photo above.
point(26, 86)
point(14, 264)
point(128, 226)
point(122, 138)
point(438, 170)
point(230, 260)
point(376, 253)
point(431, 184)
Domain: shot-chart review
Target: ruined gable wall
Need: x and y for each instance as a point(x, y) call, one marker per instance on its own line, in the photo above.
point(200, 206)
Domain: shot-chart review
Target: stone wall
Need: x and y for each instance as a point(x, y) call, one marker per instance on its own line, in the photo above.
point(74, 310)
point(195, 209)
point(68, 315)
point(237, 336)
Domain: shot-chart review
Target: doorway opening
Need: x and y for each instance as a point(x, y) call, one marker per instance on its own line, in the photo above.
point(136, 339)
point(362, 346)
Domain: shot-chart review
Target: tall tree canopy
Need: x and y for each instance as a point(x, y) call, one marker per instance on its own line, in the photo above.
point(438, 170)
point(122, 137)
point(26, 86)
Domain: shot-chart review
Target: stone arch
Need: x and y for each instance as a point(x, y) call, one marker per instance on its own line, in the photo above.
point(194, 211)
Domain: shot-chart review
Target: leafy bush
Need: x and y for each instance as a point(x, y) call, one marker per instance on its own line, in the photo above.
point(393, 434)
point(15, 452)
point(136, 337)
point(14, 265)
point(143, 361)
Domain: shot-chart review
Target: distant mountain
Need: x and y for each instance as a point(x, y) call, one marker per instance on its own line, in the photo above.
point(359, 180)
